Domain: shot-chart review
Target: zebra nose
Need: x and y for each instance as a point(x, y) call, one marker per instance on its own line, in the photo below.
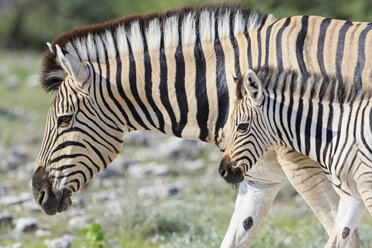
point(230, 173)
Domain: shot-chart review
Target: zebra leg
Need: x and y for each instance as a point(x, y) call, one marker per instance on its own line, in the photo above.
point(308, 178)
point(348, 215)
point(252, 204)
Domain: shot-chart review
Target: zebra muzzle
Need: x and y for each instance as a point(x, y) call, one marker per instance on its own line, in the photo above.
point(50, 201)
point(230, 172)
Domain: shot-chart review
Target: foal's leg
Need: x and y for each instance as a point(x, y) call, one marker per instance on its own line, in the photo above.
point(349, 212)
point(311, 183)
point(252, 204)
point(256, 194)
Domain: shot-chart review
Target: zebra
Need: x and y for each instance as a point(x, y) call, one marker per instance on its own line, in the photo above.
point(130, 74)
point(324, 119)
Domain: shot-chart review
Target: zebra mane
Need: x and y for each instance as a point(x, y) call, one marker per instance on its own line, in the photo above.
point(312, 85)
point(168, 29)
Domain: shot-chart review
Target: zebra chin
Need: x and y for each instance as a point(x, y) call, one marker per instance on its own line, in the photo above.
point(50, 200)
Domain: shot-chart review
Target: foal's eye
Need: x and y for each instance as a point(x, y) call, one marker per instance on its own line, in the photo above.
point(64, 120)
point(242, 127)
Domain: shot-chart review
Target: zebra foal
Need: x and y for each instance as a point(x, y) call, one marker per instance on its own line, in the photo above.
point(325, 119)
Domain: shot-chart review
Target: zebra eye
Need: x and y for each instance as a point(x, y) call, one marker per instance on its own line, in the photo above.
point(242, 127)
point(64, 120)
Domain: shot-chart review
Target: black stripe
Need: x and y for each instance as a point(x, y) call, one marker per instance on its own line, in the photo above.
point(163, 85)
point(201, 88)
point(320, 53)
point(249, 49)
point(75, 156)
point(180, 85)
point(235, 46)
point(99, 154)
point(222, 91)
point(133, 89)
point(108, 87)
point(66, 144)
point(148, 84)
point(259, 46)
point(267, 44)
point(279, 57)
point(300, 45)
point(361, 56)
point(340, 49)
point(101, 93)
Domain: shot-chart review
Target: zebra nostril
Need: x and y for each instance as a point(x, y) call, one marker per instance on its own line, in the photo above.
point(223, 173)
point(43, 197)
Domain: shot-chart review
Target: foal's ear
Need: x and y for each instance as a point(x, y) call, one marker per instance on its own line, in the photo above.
point(77, 70)
point(253, 87)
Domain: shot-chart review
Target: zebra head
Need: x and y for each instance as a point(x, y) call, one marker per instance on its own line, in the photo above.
point(246, 141)
point(77, 143)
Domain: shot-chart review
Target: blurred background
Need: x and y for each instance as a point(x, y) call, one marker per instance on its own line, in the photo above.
point(160, 191)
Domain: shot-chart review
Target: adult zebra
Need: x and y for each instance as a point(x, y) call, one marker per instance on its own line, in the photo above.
point(131, 74)
point(325, 119)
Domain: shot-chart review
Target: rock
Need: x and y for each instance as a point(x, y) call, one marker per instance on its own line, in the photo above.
point(137, 138)
point(42, 233)
point(26, 225)
point(64, 242)
point(161, 191)
point(142, 170)
point(13, 200)
point(15, 159)
point(194, 165)
point(138, 171)
point(80, 222)
point(157, 169)
point(12, 81)
point(6, 220)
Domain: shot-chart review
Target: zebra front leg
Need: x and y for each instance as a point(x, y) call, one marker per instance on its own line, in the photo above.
point(308, 178)
point(252, 204)
point(348, 215)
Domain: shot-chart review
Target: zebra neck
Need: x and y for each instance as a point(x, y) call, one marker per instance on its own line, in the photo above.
point(184, 91)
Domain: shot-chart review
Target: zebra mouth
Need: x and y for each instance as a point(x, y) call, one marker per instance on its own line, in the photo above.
point(52, 203)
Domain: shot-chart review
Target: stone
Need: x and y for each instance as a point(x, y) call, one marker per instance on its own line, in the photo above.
point(161, 191)
point(42, 233)
point(15, 159)
point(26, 225)
point(194, 165)
point(63, 242)
point(79, 222)
point(6, 220)
point(137, 138)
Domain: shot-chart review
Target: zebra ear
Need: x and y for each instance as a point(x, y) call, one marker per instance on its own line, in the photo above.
point(77, 70)
point(253, 87)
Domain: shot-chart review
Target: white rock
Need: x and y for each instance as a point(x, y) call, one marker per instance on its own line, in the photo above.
point(26, 225)
point(6, 219)
point(79, 222)
point(64, 242)
point(33, 80)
